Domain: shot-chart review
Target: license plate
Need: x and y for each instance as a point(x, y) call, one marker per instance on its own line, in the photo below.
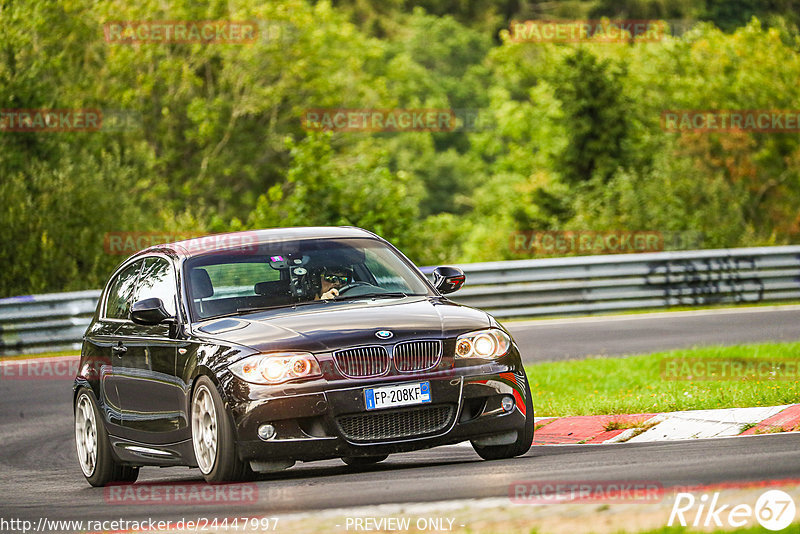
point(400, 395)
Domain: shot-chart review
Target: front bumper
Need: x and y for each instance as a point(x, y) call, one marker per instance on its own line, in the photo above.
point(330, 423)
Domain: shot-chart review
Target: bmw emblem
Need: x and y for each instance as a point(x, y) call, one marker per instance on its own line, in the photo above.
point(384, 334)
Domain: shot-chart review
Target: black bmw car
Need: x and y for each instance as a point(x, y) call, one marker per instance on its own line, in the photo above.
point(246, 352)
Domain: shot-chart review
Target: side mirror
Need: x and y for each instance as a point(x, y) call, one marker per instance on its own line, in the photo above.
point(149, 312)
point(448, 279)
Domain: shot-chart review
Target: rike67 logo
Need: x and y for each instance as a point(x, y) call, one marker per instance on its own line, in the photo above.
point(774, 510)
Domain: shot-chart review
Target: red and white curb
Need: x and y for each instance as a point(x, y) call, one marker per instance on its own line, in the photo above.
point(672, 426)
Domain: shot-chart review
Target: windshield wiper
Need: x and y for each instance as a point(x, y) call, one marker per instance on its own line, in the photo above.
point(264, 308)
point(390, 295)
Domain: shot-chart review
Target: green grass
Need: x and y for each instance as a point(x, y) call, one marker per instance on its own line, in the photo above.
point(635, 385)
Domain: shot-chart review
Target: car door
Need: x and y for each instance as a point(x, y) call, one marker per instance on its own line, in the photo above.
point(104, 344)
point(150, 393)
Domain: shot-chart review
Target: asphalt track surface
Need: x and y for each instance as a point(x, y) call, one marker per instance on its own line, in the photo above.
point(563, 339)
point(40, 476)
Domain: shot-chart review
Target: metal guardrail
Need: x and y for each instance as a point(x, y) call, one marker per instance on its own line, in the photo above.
point(40, 323)
point(580, 285)
point(601, 284)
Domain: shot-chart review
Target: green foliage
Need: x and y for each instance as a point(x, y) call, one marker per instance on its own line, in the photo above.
point(570, 134)
point(594, 118)
point(54, 218)
point(347, 190)
point(377, 16)
point(645, 9)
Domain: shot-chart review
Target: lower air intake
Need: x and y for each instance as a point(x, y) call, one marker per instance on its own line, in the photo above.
point(395, 424)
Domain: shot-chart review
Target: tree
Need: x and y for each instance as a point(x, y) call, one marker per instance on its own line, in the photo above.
point(595, 115)
point(356, 189)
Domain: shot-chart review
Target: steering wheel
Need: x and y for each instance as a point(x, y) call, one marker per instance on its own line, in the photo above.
point(351, 285)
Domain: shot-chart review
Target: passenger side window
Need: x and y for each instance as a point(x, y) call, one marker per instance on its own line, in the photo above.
point(120, 293)
point(384, 274)
point(157, 280)
point(239, 279)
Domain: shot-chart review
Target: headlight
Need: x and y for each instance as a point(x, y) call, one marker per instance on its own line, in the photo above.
point(276, 367)
point(488, 344)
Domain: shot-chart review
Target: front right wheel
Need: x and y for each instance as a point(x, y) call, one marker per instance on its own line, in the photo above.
point(213, 438)
point(524, 438)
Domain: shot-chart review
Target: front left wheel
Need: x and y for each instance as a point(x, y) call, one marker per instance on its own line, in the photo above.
point(94, 449)
point(213, 437)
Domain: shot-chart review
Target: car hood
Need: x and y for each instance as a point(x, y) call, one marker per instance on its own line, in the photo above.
point(333, 325)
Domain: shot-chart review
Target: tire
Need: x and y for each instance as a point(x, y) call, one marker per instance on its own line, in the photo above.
point(213, 438)
point(93, 447)
point(364, 460)
point(524, 440)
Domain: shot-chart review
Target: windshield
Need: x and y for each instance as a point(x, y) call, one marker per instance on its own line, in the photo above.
point(297, 272)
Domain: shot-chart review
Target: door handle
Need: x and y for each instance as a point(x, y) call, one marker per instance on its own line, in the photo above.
point(120, 349)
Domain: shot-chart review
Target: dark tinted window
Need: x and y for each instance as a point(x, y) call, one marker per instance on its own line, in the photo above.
point(157, 280)
point(120, 293)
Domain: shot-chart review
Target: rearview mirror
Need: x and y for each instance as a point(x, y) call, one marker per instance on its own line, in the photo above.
point(448, 279)
point(149, 312)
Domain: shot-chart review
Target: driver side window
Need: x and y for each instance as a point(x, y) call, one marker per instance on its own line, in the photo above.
point(157, 280)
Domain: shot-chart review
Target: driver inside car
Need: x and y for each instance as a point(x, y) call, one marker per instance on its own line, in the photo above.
point(332, 279)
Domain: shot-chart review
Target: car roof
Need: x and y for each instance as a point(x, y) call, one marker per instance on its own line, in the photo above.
point(199, 246)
